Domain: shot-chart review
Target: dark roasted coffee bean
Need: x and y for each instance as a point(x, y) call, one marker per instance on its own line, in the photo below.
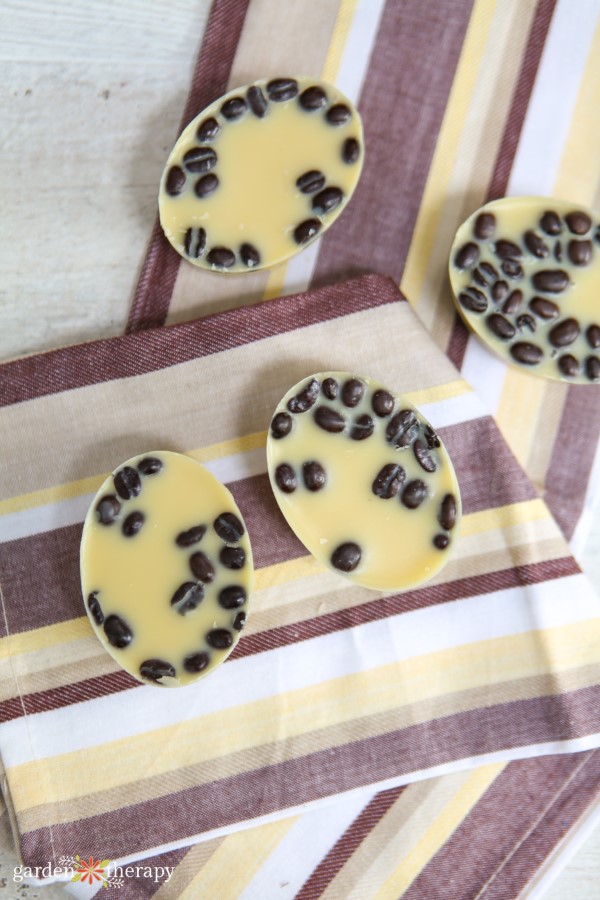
point(512, 302)
point(311, 182)
point(350, 150)
point(107, 509)
point(191, 536)
point(327, 199)
point(526, 353)
point(362, 427)
point(526, 322)
point(543, 308)
point(431, 437)
point(175, 181)
point(466, 256)
point(485, 226)
point(221, 257)
point(196, 662)
point(592, 334)
point(499, 291)
point(150, 465)
point(257, 101)
point(536, 245)
point(133, 524)
point(423, 456)
point(578, 222)
point(338, 114)
point(447, 513)
point(346, 557)
point(568, 365)
point(564, 333)
point(187, 597)
point(249, 255)
point(330, 388)
point(402, 428)
point(202, 567)
point(489, 271)
point(128, 483)
point(382, 403)
point(280, 89)
point(219, 638)
point(592, 368)
point(95, 608)
point(388, 481)
point(441, 541)
point(512, 268)
point(313, 475)
point(233, 108)
point(206, 185)
point(313, 98)
point(306, 230)
point(200, 159)
point(507, 249)
point(195, 242)
point(414, 493)
point(473, 300)
point(285, 478)
point(208, 130)
point(229, 528)
point(232, 597)
point(558, 251)
point(281, 425)
point(479, 278)
point(329, 419)
point(118, 632)
point(306, 398)
point(501, 327)
point(550, 223)
point(551, 281)
point(239, 621)
point(580, 252)
point(154, 669)
point(352, 392)
point(233, 557)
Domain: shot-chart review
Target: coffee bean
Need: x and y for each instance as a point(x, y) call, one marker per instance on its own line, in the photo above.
point(219, 638)
point(229, 528)
point(447, 513)
point(489, 271)
point(526, 353)
point(249, 255)
point(195, 242)
point(568, 365)
point(239, 621)
point(329, 419)
point(306, 230)
point(423, 456)
point(578, 222)
point(310, 182)
point(362, 427)
point(592, 368)
point(133, 524)
point(382, 403)
point(127, 483)
point(233, 108)
point(175, 181)
point(526, 322)
point(327, 199)
point(206, 185)
point(431, 437)
point(352, 392)
point(580, 252)
point(474, 300)
point(208, 130)
point(191, 536)
point(285, 478)
point(536, 245)
point(564, 333)
point(306, 398)
point(200, 159)
point(281, 425)
point(154, 669)
point(350, 150)
point(346, 557)
point(202, 567)
point(388, 481)
point(501, 327)
point(118, 632)
point(499, 291)
point(466, 256)
point(280, 89)
point(196, 662)
point(479, 277)
point(550, 223)
point(313, 475)
point(402, 428)
point(512, 268)
point(313, 98)
point(551, 281)
point(187, 597)
point(414, 493)
point(221, 257)
point(543, 308)
point(512, 302)
point(507, 249)
point(257, 101)
point(330, 388)
point(441, 541)
point(485, 226)
point(592, 334)
point(338, 114)
point(233, 557)
point(558, 251)
point(150, 465)
point(107, 509)
point(95, 608)
point(232, 597)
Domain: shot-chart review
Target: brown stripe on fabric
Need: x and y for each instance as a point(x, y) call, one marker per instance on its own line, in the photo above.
point(135, 354)
point(56, 698)
point(211, 75)
point(402, 106)
point(318, 775)
point(347, 844)
point(140, 887)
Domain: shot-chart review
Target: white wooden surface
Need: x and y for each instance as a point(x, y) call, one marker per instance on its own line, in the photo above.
point(91, 97)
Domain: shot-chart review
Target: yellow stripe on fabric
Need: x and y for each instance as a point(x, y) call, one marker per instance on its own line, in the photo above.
point(501, 661)
point(504, 516)
point(518, 411)
point(440, 831)
point(440, 392)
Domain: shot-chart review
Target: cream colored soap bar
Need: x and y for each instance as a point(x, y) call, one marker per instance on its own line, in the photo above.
point(525, 272)
point(166, 568)
point(260, 173)
point(363, 480)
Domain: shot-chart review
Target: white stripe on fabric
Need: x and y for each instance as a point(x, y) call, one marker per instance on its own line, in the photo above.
point(485, 371)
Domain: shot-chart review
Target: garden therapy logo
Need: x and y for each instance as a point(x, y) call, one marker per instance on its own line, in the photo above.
point(93, 871)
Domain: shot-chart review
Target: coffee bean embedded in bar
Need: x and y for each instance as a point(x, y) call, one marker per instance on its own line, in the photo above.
point(281, 425)
point(525, 276)
point(592, 368)
point(260, 174)
point(164, 585)
point(362, 480)
point(305, 399)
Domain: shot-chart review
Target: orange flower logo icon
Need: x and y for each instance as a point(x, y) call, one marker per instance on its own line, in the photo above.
point(91, 871)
